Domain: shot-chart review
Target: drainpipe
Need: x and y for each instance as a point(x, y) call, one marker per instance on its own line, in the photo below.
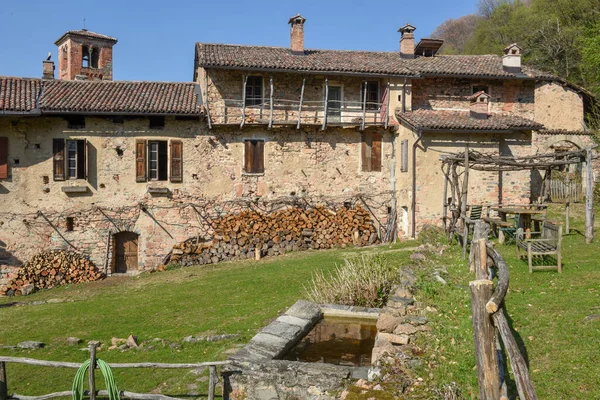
point(414, 183)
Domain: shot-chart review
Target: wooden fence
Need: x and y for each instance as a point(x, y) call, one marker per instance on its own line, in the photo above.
point(92, 393)
point(490, 324)
point(566, 191)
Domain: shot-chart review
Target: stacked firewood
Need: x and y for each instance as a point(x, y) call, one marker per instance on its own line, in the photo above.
point(250, 234)
point(49, 269)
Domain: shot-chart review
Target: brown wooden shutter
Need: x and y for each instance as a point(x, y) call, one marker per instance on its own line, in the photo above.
point(81, 159)
point(176, 161)
point(376, 152)
point(404, 156)
point(248, 156)
point(163, 160)
point(259, 157)
point(140, 161)
point(58, 149)
point(365, 152)
point(3, 158)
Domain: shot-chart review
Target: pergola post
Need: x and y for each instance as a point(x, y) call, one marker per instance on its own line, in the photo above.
point(463, 201)
point(589, 198)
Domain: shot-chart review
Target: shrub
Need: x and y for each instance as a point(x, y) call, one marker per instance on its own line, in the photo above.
point(363, 281)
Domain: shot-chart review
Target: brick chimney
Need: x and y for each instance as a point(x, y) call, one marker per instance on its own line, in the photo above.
point(479, 105)
point(407, 41)
point(511, 61)
point(297, 34)
point(48, 71)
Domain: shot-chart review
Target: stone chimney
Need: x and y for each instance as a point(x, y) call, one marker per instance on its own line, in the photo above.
point(407, 41)
point(511, 61)
point(297, 34)
point(479, 105)
point(48, 72)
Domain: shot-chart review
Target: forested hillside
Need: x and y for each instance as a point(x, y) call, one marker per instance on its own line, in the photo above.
point(557, 36)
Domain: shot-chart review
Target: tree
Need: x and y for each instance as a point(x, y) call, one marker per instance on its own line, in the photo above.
point(456, 33)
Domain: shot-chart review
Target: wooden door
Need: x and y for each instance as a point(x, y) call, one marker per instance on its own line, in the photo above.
point(126, 252)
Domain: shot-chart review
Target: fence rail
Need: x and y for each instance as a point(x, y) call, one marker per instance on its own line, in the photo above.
point(566, 191)
point(92, 393)
point(490, 325)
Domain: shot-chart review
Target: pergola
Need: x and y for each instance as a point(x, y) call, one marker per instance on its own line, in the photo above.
point(473, 160)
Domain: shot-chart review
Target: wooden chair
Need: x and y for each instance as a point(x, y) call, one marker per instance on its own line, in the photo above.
point(548, 245)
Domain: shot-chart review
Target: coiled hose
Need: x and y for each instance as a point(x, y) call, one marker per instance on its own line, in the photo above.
point(109, 380)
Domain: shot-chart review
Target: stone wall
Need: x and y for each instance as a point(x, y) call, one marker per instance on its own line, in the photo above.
point(299, 164)
point(558, 107)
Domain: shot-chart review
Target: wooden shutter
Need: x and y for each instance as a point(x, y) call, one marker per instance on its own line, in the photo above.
point(365, 152)
point(81, 159)
point(58, 149)
point(176, 161)
point(259, 156)
point(163, 160)
point(140, 161)
point(404, 156)
point(248, 156)
point(3, 158)
point(376, 152)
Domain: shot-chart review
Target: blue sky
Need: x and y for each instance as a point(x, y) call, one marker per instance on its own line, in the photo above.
point(156, 38)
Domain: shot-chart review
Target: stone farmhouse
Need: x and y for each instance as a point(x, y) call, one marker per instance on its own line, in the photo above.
point(122, 171)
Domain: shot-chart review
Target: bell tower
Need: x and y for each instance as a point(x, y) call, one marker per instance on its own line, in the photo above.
point(85, 55)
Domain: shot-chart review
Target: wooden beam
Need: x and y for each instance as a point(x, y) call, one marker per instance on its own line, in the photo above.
point(3, 382)
point(364, 106)
point(271, 102)
point(244, 101)
point(387, 106)
point(206, 102)
point(325, 105)
point(300, 105)
point(212, 382)
point(589, 198)
point(463, 199)
point(92, 371)
point(63, 364)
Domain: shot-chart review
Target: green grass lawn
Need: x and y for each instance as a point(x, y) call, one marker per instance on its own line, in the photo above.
point(546, 310)
point(233, 297)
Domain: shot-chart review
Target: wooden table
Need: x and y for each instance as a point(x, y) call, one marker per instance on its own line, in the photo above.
point(523, 213)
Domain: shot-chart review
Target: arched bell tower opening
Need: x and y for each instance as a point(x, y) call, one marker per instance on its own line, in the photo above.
point(85, 55)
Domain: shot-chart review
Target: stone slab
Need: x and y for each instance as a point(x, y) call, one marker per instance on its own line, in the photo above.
point(284, 330)
point(288, 319)
point(305, 310)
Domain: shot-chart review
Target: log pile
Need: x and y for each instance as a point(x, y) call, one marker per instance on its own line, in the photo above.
point(243, 235)
point(50, 269)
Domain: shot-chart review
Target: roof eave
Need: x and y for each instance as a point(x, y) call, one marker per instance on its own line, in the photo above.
point(309, 72)
point(140, 114)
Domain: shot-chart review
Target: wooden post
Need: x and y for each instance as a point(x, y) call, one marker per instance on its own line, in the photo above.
point(364, 106)
point(485, 342)
point(589, 198)
point(445, 203)
point(206, 102)
point(212, 382)
point(271, 103)
point(244, 101)
point(325, 105)
point(3, 382)
point(257, 254)
point(300, 105)
point(463, 205)
point(387, 107)
point(92, 371)
point(567, 201)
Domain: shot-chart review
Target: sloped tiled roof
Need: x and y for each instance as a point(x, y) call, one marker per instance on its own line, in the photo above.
point(461, 120)
point(99, 97)
point(85, 34)
point(18, 94)
point(281, 58)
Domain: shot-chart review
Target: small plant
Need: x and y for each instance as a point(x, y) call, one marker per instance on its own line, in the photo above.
point(433, 235)
point(364, 281)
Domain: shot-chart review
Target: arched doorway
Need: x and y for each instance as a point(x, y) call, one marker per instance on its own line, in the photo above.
point(125, 245)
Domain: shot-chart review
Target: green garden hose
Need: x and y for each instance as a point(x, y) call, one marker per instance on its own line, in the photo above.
point(109, 380)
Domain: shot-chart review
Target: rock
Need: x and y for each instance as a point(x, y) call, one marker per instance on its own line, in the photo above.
point(363, 384)
point(96, 343)
point(30, 344)
point(27, 289)
point(431, 310)
point(387, 323)
point(191, 339)
point(344, 394)
point(416, 256)
point(176, 346)
point(412, 364)
point(397, 301)
point(416, 320)
point(403, 292)
point(439, 279)
point(392, 338)
point(281, 329)
point(73, 341)
point(113, 347)
point(132, 341)
point(407, 278)
point(123, 347)
point(217, 338)
point(53, 301)
point(405, 329)
point(380, 351)
point(117, 341)
point(377, 387)
point(374, 374)
point(593, 317)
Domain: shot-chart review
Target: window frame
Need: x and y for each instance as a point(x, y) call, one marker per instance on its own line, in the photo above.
point(254, 101)
point(62, 156)
point(169, 163)
point(3, 157)
point(371, 105)
point(256, 166)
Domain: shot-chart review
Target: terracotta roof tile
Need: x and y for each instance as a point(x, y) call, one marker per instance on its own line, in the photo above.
point(119, 97)
point(281, 58)
point(461, 120)
point(86, 34)
point(18, 94)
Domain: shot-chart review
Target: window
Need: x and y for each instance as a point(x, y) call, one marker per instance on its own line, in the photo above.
point(3, 158)
point(152, 160)
point(95, 57)
point(372, 95)
point(371, 152)
point(157, 122)
point(254, 95)
point(254, 156)
point(85, 57)
point(70, 224)
point(479, 88)
point(75, 121)
point(69, 159)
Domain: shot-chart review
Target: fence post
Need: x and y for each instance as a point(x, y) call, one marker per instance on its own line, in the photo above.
point(92, 371)
point(3, 382)
point(212, 382)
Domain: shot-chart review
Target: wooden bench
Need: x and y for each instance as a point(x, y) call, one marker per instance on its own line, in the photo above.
point(549, 244)
point(496, 223)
